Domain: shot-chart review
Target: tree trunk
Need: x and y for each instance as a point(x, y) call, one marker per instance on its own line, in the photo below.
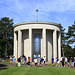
point(63, 52)
point(6, 51)
point(6, 44)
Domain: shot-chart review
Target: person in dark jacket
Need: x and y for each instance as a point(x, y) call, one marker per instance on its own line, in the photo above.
point(19, 59)
point(63, 59)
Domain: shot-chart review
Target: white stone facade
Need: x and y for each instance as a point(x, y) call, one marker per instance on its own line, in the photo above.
point(50, 39)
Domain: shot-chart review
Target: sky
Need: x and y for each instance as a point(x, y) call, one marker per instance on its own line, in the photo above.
point(56, 11)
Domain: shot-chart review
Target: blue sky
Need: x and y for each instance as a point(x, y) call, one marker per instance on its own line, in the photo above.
point(57, 11)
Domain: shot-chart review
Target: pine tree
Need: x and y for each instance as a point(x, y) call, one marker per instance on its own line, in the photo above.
point(6, 36)
point(71, 34)
point(63, 39)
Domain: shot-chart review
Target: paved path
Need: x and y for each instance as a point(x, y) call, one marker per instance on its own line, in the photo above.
point(4, 66)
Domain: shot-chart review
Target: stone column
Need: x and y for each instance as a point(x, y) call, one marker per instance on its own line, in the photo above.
point(19, 43)
point(15, 45)
point(44, 42)
point(59, 46)
point(55, 45)
point(30, 43)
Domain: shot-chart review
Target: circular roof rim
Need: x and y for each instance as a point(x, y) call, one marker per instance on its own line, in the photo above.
point(49, 23)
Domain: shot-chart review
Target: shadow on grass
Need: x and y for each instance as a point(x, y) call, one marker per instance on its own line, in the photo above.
point(3, 66)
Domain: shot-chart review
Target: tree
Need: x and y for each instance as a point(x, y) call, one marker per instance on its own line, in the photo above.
point(68, 52)
point(63, 39)
point(71, 34)
point(6, 36)
point(70, 39)
point(73, 52)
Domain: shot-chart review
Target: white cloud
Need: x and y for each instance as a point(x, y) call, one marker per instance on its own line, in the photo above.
point(24, 10)
point(57, 11)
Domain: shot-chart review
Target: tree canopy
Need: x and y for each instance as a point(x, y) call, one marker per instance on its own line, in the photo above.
point(6, 36)
point(68, 38)
point(71, 34)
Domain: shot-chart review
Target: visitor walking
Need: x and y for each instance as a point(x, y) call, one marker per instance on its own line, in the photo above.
point(63, 61)
point(68, 59)
point(52, 60)
point(14, 59)
point(41, 61)
point(34, 56)
point(19, 62)
point(58, 63)
point(56, 60)
point(19, 59)
point(29, 62)
point(23, 56)
point(35, 61)
point(11, 59)
point(44, 60)
point(72, 61)
point(25, 60)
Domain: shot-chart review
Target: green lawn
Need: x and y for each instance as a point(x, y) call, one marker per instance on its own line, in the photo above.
point(37, 71)
point(6, 62)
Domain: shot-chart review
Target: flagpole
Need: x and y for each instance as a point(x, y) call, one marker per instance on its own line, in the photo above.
point(36, 15)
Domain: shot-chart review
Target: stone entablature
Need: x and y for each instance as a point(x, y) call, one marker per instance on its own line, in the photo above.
point(27, 23)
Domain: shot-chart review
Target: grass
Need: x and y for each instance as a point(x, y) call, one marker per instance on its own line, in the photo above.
point(37, 71)
point(6, 62)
